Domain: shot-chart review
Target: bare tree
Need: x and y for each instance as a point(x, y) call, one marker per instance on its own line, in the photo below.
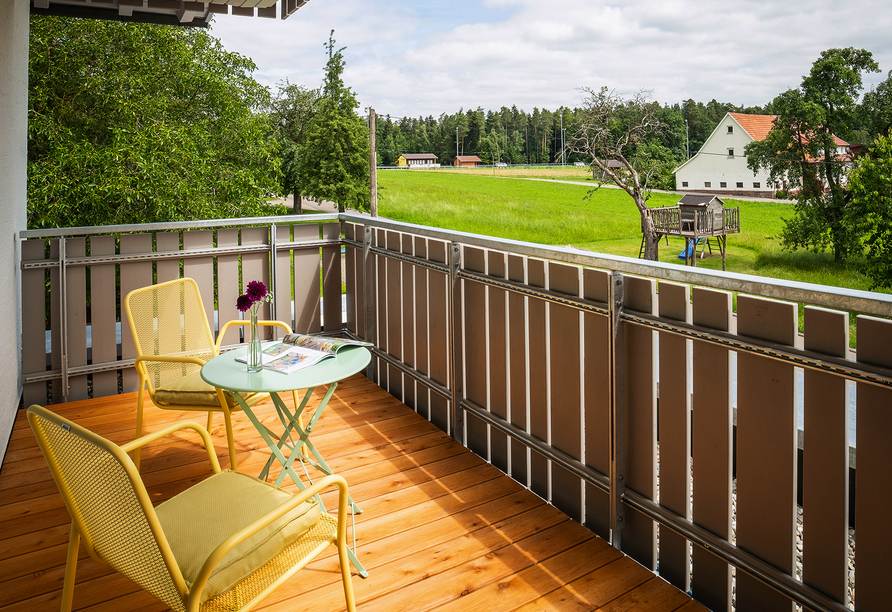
point(610, 128)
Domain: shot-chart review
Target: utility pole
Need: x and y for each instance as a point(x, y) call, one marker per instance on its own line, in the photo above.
point(456, 145)
point(562, 137)
point(373, 166)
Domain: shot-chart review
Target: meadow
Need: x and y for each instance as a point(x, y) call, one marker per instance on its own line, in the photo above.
point(493, 202)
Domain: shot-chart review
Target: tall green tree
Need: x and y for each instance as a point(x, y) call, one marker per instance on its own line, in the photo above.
point(291, 111)
point(870, 211)
point(802, 149)
point(132, 123)
point(877, 107)
point(334, 164)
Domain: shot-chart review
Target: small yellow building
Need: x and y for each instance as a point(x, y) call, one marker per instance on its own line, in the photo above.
point(417, 160)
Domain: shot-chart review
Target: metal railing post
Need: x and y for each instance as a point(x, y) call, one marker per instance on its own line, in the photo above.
point(369, 295)
point(455, 343)
point(272, 275)
point(617, 410)
point(63, 311)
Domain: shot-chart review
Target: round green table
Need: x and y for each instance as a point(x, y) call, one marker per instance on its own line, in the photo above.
point(230, 375)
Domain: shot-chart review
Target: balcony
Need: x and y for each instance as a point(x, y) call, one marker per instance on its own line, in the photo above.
point(684, 416)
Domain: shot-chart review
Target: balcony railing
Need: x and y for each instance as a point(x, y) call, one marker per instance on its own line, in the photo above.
point(642, 399)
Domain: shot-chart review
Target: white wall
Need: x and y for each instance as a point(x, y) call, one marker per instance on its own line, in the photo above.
point(13, 200)
point(712, 164)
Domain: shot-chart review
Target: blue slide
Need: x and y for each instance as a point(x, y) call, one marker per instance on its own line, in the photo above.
point(690, 249)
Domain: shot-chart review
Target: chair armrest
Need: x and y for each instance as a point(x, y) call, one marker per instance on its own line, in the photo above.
point(170, 359)
point(229, 324)
point(271, 516)
point(166, 431)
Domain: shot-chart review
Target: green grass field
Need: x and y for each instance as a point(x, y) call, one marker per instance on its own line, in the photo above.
point(559, 214)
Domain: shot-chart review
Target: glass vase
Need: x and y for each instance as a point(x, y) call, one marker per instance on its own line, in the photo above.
point(254, 362)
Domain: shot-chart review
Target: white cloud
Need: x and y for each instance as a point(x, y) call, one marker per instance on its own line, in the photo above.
point(429, 58)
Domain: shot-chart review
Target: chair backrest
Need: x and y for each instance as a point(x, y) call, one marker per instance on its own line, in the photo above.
point(169, 319)
point(108, 504)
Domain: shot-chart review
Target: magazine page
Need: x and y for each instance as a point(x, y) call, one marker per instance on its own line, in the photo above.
point(294, 360)
point(324, 344)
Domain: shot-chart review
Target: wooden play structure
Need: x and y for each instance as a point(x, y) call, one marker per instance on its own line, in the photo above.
point(698, 219)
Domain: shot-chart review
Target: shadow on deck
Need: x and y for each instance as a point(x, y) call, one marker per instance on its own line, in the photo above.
point(440, 529)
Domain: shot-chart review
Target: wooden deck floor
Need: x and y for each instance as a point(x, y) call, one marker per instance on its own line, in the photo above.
point(441, 529)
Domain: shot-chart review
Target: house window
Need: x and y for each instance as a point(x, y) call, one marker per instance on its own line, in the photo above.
point(730, 152)
point(684, 183)
point(757, 185)
point(723, 184)
point(730, 129)
point(740, 185)
point(707, 184)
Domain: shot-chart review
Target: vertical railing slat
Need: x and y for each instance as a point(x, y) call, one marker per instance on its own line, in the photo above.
point(34, 321)
point(167, 269)
point(538, 366)
point(282, 282)
point(565, 374)
point(421, 306)
point(331, 279)
point(351, 296)
point(474, 342)
point(438, 332)
point(394, 315)
point(873, 435)
point(133, 274)
point(382, 312)
point(201, 269)
point(407, 272)
point(76, 296)
point(56, 322)
point(675, 434)
point(825, 462)
point(306, 281)
point(596, 406)
point(103, 315)
point(498, 363)
point(766, 450)
point(639, 532)
point(228, 288)
point(517, 364)
point(711, 446)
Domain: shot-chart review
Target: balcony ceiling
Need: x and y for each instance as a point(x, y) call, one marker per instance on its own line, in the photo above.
point(168, 12)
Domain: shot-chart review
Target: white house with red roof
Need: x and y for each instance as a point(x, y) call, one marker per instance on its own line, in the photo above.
point(720, 165)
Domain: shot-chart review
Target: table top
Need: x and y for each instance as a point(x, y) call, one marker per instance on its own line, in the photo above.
point(225, 372)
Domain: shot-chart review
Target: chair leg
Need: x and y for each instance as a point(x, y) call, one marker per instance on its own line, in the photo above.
point(345, 575)
point(140, 400)
point(210, 420)
point(74, 541)
point(227, 418)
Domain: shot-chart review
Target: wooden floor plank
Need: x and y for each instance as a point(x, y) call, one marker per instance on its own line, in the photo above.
point(440, 528)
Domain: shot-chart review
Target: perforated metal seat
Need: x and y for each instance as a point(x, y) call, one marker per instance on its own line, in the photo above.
point(111, 513)
point(173, 340)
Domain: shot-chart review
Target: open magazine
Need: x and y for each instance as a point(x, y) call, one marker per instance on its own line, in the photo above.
point(298, 351)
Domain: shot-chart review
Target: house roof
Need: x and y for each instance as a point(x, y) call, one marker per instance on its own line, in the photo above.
point(468, 158)
point(409, 156)
point(757, 126)
point(693, 199)
point(167, 12)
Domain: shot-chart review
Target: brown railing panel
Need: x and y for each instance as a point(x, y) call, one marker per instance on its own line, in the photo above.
point(711, 447)
point(675, 434)
point(596, 344)
point(353, 295)
point(103, 315)
point(201, 269)
point(169, 269)
point(394, 314)
point(517, 365)
point(134, 274)
point(56, 323)
point(76, 328)
point(281, 285)
point(497, 321)
point(825, 463)
point(565, 376)
point(474, 342)
point(766, 449)
point(874, 432)
point(407, 288)
point(639, 538)
point(438, 332)
point(536, 320)
point(331, 279)
point(421, 307)
point(306, 277)
point(34, 321)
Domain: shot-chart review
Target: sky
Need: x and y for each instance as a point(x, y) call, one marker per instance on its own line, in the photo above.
point(432, 57)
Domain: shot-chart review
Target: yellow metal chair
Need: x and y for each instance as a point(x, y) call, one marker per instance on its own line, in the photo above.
point(173, 340)
point(224, 544)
